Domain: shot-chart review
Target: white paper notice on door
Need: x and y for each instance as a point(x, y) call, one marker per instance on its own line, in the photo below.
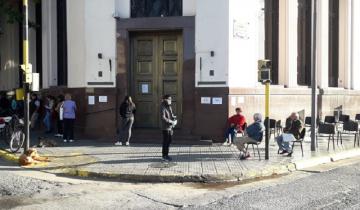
point(144, 88)
point(91, 100)
point(217, 100)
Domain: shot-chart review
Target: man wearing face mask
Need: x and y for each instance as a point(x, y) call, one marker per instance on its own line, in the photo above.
point(168, 122)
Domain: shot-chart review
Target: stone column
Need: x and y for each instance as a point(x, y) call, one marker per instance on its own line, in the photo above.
point(288, 47)
point(345, 43)
point(322, 48)
point(355, 44)
point(49, 43)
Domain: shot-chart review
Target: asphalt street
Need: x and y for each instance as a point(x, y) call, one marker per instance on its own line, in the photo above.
point(333, 186)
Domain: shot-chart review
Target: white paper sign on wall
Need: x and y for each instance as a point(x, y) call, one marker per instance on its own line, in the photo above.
point(217, 100)
point(205, 100)
point(103, 99)
point(91, 100)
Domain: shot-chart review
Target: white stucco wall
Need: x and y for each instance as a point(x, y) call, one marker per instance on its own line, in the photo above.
point(244, 45)
point(189, 7)
point(91, 30)
point(76, 43)
point(122, 8)
point(100, 33)
point(212, 34)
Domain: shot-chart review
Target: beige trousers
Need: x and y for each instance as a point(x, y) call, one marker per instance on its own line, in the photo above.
point(241, 141)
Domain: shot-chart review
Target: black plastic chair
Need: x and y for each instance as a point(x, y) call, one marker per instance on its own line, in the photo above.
point(307, 121)
point(344, 118)
point(279, 127)
point(351, 127)
point(330, 120)
point(328, 129)
point(272, 128)
point(357, 117)
point(253, 147)
point(300, 141)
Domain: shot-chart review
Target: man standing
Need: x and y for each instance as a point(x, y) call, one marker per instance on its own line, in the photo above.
point(168, 122)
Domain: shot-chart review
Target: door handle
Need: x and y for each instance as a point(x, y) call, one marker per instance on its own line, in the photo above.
point(110, 65)
point(200, 63)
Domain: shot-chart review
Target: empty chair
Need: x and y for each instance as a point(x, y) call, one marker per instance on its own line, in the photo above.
point(330, 120)
point(344, 118)
point(357, 117)
point(328, 129)
point(272, 126)
point(351, 127)
point(307, 121)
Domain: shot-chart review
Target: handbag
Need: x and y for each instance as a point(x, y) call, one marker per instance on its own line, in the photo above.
point(61, 112)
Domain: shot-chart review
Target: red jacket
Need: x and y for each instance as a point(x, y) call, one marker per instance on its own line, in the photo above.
point(237, 120)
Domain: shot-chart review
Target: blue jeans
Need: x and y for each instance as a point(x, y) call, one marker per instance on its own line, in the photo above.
point(47, 121)
point(283, 145)
point(230, 132)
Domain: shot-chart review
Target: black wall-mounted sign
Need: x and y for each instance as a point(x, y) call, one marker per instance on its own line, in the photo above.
point(156, 8)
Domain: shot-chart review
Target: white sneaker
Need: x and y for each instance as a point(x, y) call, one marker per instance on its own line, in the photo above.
point(71, 140)
point(226, 143)
point(65, 140)
point(58, 135)
point(118, 143)
point(127, 143)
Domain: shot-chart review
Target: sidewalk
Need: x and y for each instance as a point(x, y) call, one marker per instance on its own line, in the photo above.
point(141, 163)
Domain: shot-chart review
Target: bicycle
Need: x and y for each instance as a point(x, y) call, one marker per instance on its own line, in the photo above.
point(17, 138)
point(6, 129)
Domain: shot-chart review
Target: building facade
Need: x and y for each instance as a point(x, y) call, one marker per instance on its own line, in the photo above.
point(202, 52)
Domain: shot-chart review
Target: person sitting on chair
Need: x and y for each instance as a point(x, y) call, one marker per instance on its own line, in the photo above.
point(236, 124)
point(292, 131)
point(253, 134)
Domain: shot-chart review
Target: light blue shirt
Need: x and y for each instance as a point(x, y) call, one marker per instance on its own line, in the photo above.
point(69, 108)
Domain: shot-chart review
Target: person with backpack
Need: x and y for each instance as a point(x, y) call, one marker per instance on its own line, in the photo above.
point(127, 113)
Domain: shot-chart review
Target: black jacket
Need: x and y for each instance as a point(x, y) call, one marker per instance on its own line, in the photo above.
point(127, 110)
point(167, 117)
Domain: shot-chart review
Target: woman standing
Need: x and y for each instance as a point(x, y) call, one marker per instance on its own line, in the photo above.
point(127, 112)
point(49, 106)
point(69, 109)
point(59, 116)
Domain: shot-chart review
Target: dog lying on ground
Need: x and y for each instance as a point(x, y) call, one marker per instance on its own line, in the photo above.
point(44, 142)
point(31, 157)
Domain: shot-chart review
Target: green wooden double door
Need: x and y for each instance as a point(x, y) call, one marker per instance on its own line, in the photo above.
point(156, 70)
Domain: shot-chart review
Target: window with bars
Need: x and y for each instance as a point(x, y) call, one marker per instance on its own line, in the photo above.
point(156, 8)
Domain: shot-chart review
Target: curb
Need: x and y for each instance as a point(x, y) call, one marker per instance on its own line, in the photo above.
point(248, 176)
point(9, 156)
point(302, 164)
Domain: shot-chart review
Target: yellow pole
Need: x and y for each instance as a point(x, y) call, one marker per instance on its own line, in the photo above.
point(27, 73)
point(267, 118)
point(267, 99)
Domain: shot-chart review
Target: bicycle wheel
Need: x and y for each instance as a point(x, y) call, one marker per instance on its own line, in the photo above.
point(17, 140)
